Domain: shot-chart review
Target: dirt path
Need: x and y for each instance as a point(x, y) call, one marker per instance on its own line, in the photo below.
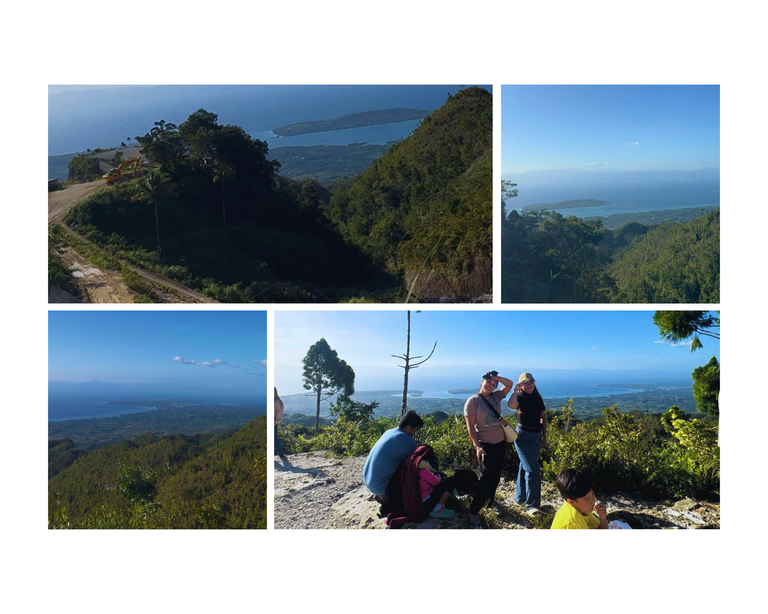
point(107, 286)
point(61, 201)
point(97, 285)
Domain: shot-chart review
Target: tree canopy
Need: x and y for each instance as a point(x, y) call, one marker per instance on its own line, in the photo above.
point(326, 374)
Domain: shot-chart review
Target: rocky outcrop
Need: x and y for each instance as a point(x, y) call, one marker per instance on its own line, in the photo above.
point(313, 491)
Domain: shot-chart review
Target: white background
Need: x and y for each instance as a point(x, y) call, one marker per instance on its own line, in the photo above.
point(378, 43)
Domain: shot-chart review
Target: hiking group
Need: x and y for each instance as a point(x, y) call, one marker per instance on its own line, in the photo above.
point(407, 482)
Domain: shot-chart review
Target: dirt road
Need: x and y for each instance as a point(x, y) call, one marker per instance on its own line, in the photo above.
point(98, 286)
point(61, 201)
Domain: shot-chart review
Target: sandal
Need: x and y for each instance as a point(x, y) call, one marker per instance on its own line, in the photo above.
point(443, 513)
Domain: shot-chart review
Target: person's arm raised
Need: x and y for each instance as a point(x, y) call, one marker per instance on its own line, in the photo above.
point(512, 403)
point(507, 383)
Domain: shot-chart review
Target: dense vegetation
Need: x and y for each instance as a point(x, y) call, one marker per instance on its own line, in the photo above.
point(656, 455)
point(550, 258)
point(175, 481)
point(356, 120)
point(423, 209)
point(169, 417)
point(83, 168)
point(228, 225)
point(326, 163)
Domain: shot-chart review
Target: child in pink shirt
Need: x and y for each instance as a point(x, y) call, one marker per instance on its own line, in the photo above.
point(435, 490)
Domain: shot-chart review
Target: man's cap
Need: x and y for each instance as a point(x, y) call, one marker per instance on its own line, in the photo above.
point(524, 377)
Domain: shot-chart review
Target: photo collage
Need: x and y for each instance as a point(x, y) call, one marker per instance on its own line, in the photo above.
point(363, 307)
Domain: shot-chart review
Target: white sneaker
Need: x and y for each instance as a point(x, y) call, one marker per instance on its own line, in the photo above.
point(533, 511)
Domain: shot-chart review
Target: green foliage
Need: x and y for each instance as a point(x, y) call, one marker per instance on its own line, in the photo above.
point(353, 411)
point(674, 263)
point(547, 257)
point(678, 326)
point(138, 486)
point(117, 159)
point(706, 387)
point(83, 168)
point(166, 482)
point(669, 455)
point(61, 454)
point(325, 373)
point(432, 188)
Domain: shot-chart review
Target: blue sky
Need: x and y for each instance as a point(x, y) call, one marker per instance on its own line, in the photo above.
point(635, 127)
point(474, 342)
point(224, 348)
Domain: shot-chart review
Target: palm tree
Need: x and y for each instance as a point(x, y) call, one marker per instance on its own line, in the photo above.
point(151, 186)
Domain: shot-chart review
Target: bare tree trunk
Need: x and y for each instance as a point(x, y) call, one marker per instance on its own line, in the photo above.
point(317, 417)
point(407, 367)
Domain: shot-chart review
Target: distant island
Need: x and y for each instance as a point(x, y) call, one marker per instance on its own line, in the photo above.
point(356, 120)
point(326, 163)
point(462, 391)
point(567, 204)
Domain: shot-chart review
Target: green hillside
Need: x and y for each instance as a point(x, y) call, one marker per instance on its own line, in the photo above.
point(673, 263)
point(176, 481)
point(427, 201)
point(550, 258)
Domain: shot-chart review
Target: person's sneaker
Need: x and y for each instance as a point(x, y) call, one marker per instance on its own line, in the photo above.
point(533, 511)
point(444, 513)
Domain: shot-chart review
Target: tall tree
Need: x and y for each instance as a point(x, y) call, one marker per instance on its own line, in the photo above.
point(679, 326)
point(408, 365)
point(706, 387)
point(151, 187)
point(326, 374)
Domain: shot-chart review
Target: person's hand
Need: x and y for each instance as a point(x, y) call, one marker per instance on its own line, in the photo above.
point(518, 388)
point(601, 511)
point(480, 452)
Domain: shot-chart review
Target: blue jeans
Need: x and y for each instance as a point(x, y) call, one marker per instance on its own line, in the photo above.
point(529, 476)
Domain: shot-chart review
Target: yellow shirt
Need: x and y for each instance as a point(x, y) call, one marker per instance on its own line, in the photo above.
point(568, 517)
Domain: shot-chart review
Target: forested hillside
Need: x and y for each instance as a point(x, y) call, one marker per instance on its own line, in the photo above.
point(175, 481)
point(211, 212)
point(426, 203)
point(550, 258)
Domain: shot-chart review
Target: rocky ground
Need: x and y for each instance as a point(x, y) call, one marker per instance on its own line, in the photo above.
point(313, 491)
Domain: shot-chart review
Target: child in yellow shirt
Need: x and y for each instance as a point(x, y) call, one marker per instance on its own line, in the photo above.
point(576, 512)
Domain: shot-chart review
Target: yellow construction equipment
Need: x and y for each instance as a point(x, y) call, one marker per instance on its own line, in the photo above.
point(116, 174)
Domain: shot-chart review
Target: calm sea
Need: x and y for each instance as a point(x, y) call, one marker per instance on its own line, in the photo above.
point(626, 196)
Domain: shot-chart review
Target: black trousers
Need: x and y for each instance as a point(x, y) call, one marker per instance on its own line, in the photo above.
point(485, 492)
point(446, 485)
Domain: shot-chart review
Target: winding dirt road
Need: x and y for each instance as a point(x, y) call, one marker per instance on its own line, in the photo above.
point(106, 286)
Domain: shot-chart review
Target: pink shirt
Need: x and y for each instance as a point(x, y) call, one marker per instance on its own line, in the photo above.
point(428, 481)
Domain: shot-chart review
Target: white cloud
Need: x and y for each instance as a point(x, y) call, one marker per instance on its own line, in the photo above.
point(219, 362)
point(263, 363)
point(674, 345)
point(595, 164)
point(594, 347)
point(193, 362)
point(635, 143)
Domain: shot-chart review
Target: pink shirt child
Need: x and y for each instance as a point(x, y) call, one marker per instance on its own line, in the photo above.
point(428, 480)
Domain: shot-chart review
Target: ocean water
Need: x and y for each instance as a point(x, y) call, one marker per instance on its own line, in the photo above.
point(103, 118)
point(77, 405)
point(626, 196)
